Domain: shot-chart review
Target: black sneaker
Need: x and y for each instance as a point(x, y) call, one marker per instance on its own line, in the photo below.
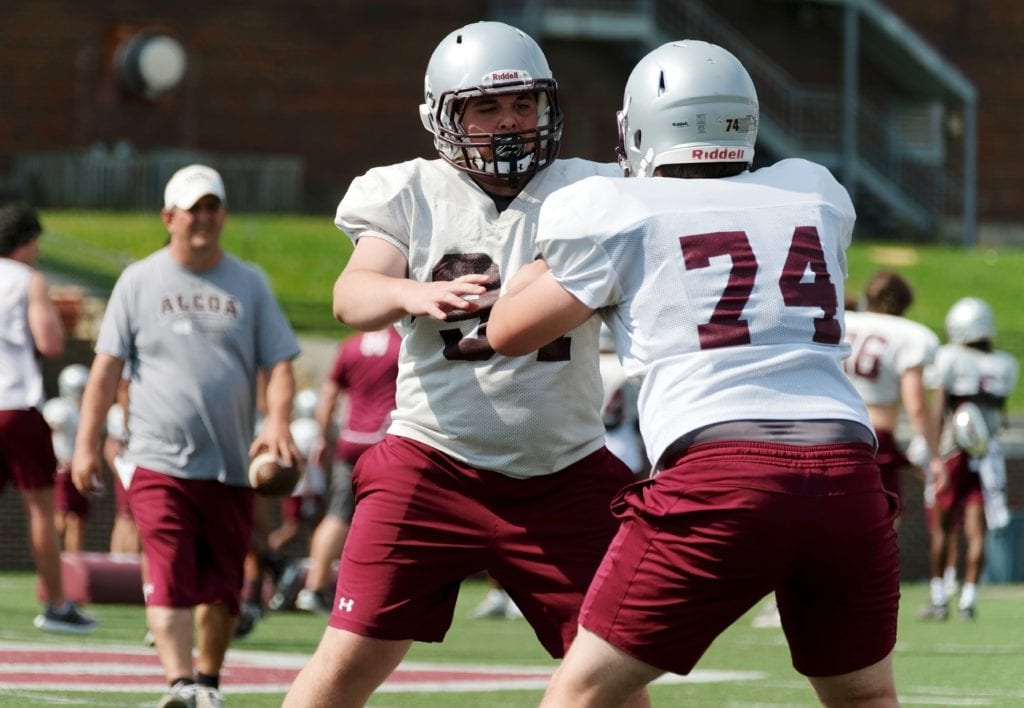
point(250, 614)
point(67, 621)
point(968, 613)
point(934, 612)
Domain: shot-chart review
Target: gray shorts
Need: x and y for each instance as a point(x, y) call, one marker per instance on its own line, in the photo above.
point(342, 503)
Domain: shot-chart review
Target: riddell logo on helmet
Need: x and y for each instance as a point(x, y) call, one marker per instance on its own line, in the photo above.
point(505, 75)
point(718, 154)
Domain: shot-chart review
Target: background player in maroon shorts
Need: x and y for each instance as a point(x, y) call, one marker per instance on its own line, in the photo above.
point(29, 323)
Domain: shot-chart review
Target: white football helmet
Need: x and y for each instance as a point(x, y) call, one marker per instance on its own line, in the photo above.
point(687, 102)
point(970, 319)
point(490, 59)
point(71, 381)
point(304, 404)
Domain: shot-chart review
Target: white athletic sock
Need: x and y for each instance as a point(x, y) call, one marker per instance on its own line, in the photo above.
point(938, 588)
point(968, 595)
point(949, 576)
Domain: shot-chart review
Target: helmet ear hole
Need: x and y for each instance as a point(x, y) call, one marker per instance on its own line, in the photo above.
point(637, 138)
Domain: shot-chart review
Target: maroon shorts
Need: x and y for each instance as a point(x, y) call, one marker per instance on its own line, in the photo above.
point(26, 450)
point(195, 534)
point(66, 497)
point(121, 505)
point(963, 486)
point(424, 522)
point(891, 463)
point(703, 541)
point(291, 508)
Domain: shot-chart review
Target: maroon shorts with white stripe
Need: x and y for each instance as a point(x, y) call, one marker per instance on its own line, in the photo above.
point(703, 541)
point(424, 522)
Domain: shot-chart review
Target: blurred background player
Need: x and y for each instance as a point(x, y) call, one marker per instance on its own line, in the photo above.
point(888, 356)
point(71, 507)
point(124, 535)
point(30, 327)
point(353, 413)
point(973, 381)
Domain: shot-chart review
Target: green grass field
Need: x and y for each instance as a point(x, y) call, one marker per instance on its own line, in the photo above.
point(304, 254)
point(955, 663)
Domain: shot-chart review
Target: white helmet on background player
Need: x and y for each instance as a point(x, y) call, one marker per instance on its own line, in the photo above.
point(491, 59)
point(71, 381)
point(970, 319)
point(687, 102)
point(304, 405)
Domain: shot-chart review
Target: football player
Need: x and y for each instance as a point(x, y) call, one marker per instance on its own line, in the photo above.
point(71, 507)
point(491, 463)
point(724, 288)
point(973, 381)
point(886, 364)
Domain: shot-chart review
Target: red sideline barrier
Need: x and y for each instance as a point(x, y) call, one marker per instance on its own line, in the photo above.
point(102, 578)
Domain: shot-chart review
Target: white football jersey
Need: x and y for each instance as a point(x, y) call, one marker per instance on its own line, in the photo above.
point(882, 348)
point(726, 295)
point(966, 373)
point(521, 416)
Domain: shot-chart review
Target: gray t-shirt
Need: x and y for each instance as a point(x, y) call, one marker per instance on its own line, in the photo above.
point(193, 342)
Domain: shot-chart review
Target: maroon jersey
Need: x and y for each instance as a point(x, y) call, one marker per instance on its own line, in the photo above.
point(366, 369)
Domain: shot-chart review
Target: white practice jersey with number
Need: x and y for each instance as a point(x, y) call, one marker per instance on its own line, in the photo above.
point(882, 348)
point(726, 294)
point(521, 416)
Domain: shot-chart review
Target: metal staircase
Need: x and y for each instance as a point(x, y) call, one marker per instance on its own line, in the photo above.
point(832, 125)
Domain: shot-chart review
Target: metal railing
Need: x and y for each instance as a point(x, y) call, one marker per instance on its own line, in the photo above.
point(98, 179)
point(796, 120)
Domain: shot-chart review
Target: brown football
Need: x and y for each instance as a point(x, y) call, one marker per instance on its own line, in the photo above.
point(269, 476)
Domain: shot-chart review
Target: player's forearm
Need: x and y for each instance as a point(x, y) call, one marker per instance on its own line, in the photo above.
point(368, 300)
point(43, 319)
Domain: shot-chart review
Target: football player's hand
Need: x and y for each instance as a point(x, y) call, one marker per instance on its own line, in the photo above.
point(440, 298)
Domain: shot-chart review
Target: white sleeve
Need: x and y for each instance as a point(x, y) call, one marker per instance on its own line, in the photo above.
point(569, 238)
point(375, 205)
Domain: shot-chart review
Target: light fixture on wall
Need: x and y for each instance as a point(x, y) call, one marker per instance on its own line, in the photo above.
point(150, 63)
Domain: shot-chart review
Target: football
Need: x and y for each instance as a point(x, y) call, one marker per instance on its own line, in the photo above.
point(269, 476)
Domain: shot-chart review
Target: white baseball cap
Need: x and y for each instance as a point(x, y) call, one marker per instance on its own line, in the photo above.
point(190, 184)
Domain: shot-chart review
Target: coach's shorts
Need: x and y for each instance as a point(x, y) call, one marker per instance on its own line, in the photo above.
point(424, 522)
point(66, 497)
point(963, 486)
point(891, 463)
point(26, 450)
point(195, 534)
point(703, 541)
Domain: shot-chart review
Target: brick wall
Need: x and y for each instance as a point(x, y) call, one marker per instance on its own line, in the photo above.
point(338, 83)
